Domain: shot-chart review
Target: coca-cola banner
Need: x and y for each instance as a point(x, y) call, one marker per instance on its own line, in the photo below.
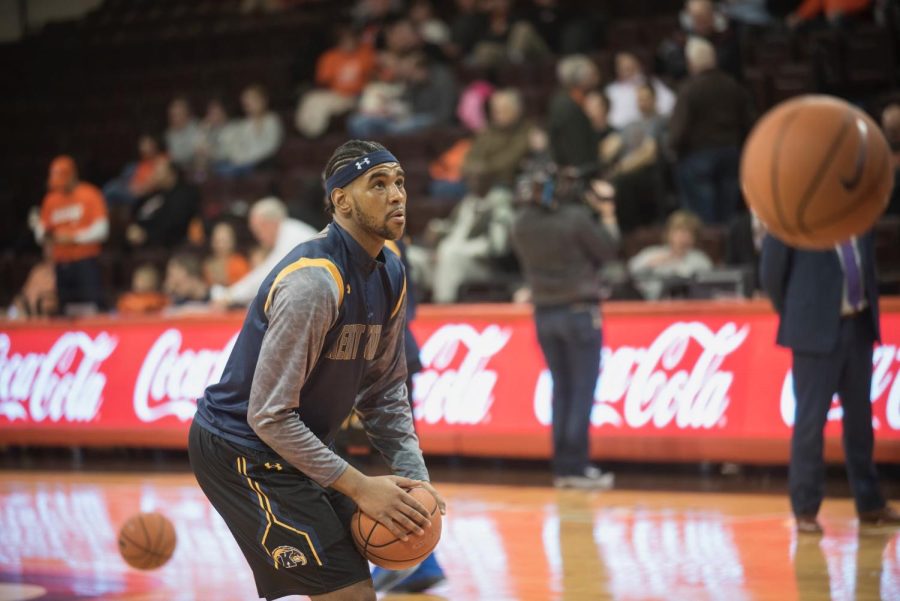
point(685, 384)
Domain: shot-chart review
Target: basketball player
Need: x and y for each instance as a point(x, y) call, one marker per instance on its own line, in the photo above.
point(324, 336)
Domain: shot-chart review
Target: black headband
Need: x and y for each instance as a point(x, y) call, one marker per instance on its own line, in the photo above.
point(351, 171)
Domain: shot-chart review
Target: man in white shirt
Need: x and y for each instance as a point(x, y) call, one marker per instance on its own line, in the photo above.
point(253, 140)
point(277, 234)
point(623, 93)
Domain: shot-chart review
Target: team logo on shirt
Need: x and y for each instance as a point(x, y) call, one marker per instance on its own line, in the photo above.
point(346, 347)
point(67, 214)
point(289, 557)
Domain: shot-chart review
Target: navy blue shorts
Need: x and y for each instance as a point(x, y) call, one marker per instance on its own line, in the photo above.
point(294, 533)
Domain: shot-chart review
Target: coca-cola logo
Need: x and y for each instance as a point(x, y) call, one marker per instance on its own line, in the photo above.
point(885, 380)
point(657, 385)
point(171, 379)
point(65, 384)
point(455, 385)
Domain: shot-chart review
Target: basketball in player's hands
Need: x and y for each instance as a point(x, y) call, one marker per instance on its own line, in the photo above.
point(147, 540)
point(816, 171)
point(381, 547)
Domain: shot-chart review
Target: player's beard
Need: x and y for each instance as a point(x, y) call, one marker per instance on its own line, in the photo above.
point(380, 227)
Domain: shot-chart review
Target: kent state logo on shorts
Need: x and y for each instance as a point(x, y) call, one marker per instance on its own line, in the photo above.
point(289, 557)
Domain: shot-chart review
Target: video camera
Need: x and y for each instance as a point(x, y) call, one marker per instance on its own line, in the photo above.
point(551, 186)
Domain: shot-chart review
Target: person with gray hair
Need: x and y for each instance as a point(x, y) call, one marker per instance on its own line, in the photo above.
point(277, 234)
point(702, 19)
point(572, 139)
point(712, 116)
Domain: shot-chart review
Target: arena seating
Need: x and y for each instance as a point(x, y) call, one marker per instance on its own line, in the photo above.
point(89, 87)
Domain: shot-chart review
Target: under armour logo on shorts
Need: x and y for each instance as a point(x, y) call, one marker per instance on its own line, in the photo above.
point(359, 164)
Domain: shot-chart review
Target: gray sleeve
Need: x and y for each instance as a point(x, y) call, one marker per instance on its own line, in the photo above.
point(600, 241)
point(303, 307)
point(383, 403)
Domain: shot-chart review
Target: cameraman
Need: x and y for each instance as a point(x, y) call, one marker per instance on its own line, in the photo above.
point(561, 248)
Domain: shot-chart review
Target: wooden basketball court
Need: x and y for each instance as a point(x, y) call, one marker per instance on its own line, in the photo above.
point(500, 542)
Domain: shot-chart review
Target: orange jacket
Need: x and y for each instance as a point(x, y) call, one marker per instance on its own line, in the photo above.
point(63, 213)
point(812, 8)
point(346, 73)
point(138, 303)
point(236, 267)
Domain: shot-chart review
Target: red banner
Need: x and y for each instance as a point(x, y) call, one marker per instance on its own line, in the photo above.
point(688, 383)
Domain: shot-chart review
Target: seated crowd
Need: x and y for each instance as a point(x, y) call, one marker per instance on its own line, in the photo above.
point(661, 135)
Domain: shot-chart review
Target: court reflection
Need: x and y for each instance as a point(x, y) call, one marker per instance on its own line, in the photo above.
point(847, 566)
point(500, 543)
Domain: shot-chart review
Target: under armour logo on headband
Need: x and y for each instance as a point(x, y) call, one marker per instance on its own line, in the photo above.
point(347, 173)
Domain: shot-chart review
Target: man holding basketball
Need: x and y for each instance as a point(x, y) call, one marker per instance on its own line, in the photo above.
point(323, 337)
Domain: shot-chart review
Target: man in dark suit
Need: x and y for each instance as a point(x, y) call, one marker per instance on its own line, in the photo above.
point(828, 304)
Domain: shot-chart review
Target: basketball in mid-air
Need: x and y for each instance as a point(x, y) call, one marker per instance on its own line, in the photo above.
point(381, 547)
point(816, 171)
point(147, 540)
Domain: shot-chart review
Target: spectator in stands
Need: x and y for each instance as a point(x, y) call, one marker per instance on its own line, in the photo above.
point(507, 38)
point(638, 142)
point(252, 142)
point(400, 39)
point(712, 116)
point(162, 218)
point(497, 152)
point(699, 19)
point(183, 134)
point(445, 172)
point(144, 296)
point(539, 158)
point(656, 268)
point(277, 234)
point(836, 12)
point(890, 123)
point(134, 181)
point(428, 100)
point(214, 127)
point(224, 266)
point(73, 220)
point(341, 74)
point(623, 92)
point(469, 242)
point(38, 296)
point(471, 110)
point(573, 142)
point(430, 28)
point(467, 27)
point(596, 107)
point(567, 28)
point(372, 18)
point(184, 285)
point(632, 162)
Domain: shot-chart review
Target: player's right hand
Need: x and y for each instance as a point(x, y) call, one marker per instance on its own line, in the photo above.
point(384, 499)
